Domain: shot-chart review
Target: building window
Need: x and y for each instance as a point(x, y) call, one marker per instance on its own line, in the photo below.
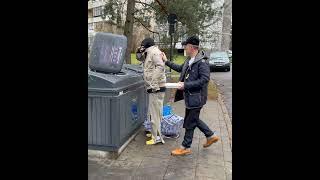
point(97, 11)
point(90, 26)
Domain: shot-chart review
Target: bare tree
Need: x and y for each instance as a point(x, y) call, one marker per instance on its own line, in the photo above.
point(226, 25)
point(128, 28)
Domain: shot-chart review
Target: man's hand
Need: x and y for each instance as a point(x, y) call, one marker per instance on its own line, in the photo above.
point(141, 49)
point(181, 85)
point(164, 57)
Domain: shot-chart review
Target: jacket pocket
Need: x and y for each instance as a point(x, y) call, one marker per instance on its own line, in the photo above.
point(193, 99)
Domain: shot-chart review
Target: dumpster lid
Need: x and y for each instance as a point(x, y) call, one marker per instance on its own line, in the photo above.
point(112, 81)
point(133, 67)
point(107, 52)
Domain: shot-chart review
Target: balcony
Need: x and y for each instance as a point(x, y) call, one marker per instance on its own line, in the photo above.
point(95, 4)
point(97, 19)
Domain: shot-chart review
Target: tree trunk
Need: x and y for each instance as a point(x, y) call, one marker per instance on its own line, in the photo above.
point(226, 26)
point(128, 29)
point(230, 45)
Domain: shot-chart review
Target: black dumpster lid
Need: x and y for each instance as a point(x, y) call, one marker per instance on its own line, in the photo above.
point(113, 82)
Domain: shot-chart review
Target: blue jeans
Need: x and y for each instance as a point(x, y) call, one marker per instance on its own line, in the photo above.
point(191, 121)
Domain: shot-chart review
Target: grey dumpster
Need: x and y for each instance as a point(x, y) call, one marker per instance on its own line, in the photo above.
point(138, 69)
point(116, 108)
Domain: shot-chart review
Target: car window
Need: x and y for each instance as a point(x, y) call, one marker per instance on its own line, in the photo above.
point(216, 56)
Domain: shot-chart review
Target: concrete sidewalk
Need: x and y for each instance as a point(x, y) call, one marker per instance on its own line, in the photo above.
point(139, 161)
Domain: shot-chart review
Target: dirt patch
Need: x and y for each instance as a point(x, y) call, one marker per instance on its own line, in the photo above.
point(212, 91)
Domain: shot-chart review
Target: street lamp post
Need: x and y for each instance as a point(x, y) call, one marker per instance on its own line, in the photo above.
point(172, 19)
point(103, 16)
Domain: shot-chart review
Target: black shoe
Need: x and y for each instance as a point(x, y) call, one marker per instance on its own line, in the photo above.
point(148, 133)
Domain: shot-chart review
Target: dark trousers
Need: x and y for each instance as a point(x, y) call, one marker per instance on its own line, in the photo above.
point(191, 121)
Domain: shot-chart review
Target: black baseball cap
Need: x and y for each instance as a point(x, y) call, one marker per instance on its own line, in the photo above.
point(147, 42)
point(194, 40)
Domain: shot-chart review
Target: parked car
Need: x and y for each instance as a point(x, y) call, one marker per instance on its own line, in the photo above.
point(230, 53)
point(219, 60)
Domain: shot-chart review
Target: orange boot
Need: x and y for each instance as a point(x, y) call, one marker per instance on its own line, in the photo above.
point(211, 140)
point(180, 152)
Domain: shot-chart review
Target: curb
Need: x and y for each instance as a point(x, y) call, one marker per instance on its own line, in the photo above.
point(225, 114)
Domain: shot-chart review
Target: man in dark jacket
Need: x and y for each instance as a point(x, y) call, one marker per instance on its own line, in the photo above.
point(193, 88)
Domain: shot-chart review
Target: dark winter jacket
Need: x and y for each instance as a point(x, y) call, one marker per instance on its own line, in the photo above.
point(196, 78)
